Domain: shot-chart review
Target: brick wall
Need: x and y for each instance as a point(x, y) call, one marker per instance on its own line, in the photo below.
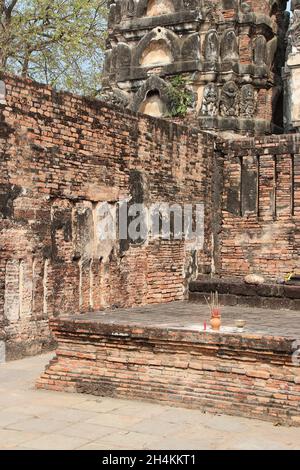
point(260, 230)
point(61, 156)
point(238, 374)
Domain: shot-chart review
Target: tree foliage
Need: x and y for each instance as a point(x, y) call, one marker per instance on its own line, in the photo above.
point(180, 97)
point(58, 42)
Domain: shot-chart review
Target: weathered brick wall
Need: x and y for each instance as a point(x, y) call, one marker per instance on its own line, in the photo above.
point(260, 230)
point(61, 156)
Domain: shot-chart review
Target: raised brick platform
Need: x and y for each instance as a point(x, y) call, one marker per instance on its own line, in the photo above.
point(237, 292)
point(161, 353)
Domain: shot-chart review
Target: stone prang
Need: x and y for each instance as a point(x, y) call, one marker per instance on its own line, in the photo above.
point(229, 55)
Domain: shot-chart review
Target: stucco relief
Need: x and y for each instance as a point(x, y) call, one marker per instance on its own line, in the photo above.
point(294, 31)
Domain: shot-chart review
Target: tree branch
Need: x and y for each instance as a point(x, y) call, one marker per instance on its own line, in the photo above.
point(9, 9)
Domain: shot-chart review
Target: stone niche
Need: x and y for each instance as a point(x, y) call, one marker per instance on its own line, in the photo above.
point(157, 53)
point(153, 105)
point(160, 7)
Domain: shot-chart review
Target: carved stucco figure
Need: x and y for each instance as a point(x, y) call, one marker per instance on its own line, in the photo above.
point(247, 101)
point(229, 46)
point(210, 103)
point(229, 102)
point(211, 46)
point(294, 31)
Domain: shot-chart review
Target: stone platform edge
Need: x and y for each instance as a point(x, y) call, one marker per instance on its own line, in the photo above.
point(239, 374)
point(236, 292)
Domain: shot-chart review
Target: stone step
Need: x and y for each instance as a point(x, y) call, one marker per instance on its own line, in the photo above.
point(237, 292)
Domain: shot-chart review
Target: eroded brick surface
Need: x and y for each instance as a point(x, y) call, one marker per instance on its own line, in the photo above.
point(61, 157)
point(162, 354)
point(260, 207)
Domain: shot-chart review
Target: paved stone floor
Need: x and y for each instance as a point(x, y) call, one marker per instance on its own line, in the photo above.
point(189, 315)
point(32, 419)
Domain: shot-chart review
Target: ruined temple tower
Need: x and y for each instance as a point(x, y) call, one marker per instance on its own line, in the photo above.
point(222, 59)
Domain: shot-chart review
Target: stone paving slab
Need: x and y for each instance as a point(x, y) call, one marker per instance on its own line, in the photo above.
point(189, 315)
point(37, 419)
